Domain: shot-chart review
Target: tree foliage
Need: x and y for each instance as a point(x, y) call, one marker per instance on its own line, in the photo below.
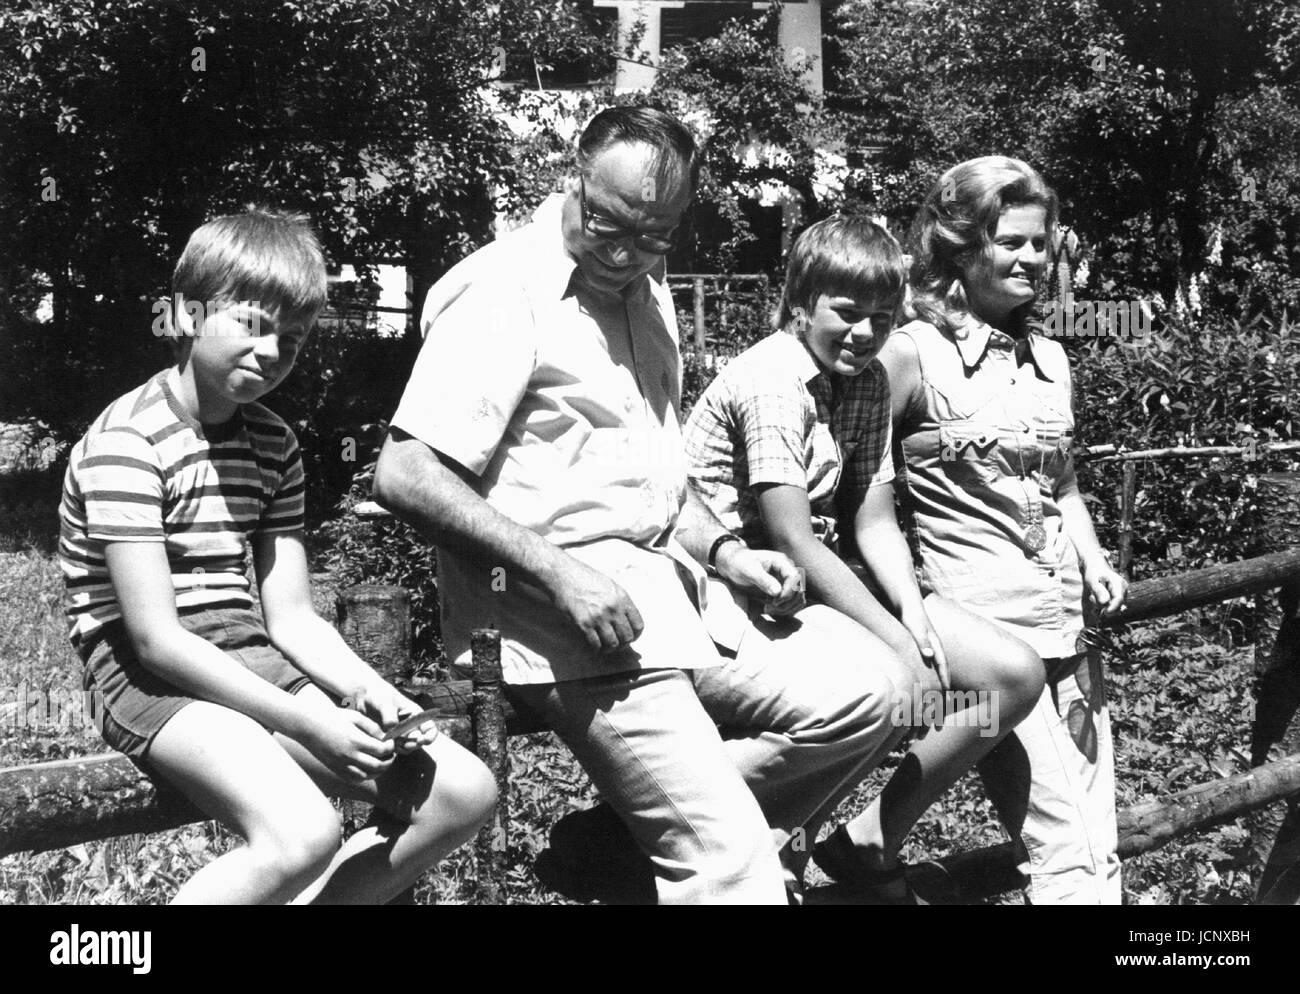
point(1148, 117)
point(128, 124)
point(759, 123)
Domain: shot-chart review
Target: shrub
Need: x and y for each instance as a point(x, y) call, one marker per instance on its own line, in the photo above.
point(386, 551)
point(347, 381)
point(1212, 380)
point(739, 319)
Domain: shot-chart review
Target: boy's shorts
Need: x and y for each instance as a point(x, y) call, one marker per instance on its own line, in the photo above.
point(136, 703)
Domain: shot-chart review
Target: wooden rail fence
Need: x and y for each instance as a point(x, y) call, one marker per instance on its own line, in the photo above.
point(721, 284)
point(53, 805)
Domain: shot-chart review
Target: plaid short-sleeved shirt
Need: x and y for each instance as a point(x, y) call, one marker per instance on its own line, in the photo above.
point(773, 416)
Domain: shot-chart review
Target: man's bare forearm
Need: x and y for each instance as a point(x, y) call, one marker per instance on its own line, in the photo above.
point(697, 526)
point(422, 490)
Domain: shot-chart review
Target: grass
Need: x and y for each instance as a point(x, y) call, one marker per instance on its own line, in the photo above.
point(1180, 710)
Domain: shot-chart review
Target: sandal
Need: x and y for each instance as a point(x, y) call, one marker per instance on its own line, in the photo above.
point(839, 859)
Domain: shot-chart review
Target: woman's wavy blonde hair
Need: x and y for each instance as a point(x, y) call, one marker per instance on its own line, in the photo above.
point(957, 223)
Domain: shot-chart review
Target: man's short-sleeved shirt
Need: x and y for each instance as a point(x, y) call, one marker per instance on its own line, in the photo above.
point(564, 403)
point(773, 416)
point(147, 472)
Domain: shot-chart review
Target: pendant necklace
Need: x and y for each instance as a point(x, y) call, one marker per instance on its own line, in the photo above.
point(1035, 536)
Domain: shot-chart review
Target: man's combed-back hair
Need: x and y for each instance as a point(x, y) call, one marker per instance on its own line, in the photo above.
point(678, 154)
point(956, 225)
point(847, 255)
point(269, 256)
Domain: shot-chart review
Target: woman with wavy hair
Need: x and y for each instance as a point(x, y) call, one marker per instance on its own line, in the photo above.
point(982, 411)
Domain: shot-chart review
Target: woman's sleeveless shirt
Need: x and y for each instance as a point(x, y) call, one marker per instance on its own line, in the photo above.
point(986, 441)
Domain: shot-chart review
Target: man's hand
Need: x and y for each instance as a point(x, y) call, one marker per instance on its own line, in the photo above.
point(601, 609)
point(773, 575)
point(1108, 588)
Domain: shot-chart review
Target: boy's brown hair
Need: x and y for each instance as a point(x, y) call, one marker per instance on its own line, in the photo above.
point(849, 255)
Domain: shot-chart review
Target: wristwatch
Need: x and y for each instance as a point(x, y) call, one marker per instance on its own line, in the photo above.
point(718, 543)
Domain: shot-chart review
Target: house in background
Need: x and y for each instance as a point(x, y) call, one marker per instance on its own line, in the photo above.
point(654, 28)
point(659, 26)
point(647, 30)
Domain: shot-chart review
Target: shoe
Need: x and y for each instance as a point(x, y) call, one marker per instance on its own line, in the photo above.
point(839, 859)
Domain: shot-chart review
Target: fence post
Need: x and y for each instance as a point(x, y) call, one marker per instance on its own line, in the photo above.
point(1275, 831)
point(724, 305)
point(375, 621)
point(488, 722)
point(698, 293)
point(1127, 500)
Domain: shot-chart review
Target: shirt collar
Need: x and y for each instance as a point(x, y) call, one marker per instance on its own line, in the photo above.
point(555, 268)
point(830, 386)
point(796, 353)
point(974, 338)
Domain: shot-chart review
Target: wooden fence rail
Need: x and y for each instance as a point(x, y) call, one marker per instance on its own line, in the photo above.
point(721, 283)
point(53, 805)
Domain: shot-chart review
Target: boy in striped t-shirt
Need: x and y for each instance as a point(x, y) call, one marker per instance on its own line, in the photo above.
point(164, 495)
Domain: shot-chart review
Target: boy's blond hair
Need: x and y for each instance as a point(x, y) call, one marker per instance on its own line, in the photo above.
point(956, 224)
point(269, 256)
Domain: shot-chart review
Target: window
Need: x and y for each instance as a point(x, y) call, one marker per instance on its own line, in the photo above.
point(700, 20)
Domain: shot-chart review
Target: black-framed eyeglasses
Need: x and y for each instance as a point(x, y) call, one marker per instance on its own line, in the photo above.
point(604, 228)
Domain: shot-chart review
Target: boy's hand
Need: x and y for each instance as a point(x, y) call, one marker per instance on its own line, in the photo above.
point(772, 575)
point(387, 705)
point(349, 744)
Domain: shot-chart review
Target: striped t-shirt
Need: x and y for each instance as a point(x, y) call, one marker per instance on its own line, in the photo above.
point(147, 472)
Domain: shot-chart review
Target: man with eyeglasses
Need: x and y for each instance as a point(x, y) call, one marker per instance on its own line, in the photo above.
point(538, 445)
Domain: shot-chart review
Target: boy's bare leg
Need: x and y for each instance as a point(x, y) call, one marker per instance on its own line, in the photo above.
point(981, 657)
point(228, 765)
point(426, 805)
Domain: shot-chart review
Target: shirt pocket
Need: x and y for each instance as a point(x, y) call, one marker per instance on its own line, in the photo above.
point(968, 451)
point(961, 399)
point(1055, 438)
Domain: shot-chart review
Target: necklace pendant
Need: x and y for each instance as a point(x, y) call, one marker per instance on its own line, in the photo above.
point(1035, 538)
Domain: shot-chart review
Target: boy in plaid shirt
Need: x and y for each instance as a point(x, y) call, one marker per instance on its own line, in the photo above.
point(791, 447)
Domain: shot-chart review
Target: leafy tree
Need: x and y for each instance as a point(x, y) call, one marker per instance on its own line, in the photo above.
point(758, 120)
point(1131, 109)
point(745, 100)
point(126, 125)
